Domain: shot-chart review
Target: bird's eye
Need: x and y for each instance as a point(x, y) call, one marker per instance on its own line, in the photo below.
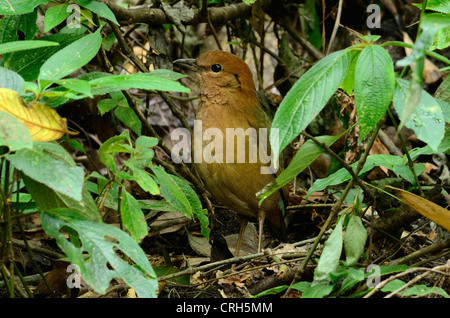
point(216, 68)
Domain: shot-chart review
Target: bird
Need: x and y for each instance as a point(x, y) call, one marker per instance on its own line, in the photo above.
point(228, 103)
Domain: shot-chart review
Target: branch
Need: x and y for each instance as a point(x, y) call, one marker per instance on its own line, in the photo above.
point(219, 15)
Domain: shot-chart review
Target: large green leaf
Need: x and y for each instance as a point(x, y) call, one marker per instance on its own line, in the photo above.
point(50, 164)
point(307, 98)
point(99, 256)
point(427, 120)
point(28, 63)
point(71, 58)
point(24, 45)
point(10, 7)
point(374, 86)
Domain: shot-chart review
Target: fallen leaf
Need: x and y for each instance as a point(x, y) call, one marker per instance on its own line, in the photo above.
point(430, 210)
point(42, 121)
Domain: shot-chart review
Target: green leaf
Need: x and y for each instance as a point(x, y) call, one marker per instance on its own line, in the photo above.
point(349, 81)
point(354, 240)
point(71, 58)
point(441, 40)
point(132, 217)
point(14, 134)
point(48, 199)
point(110, 147)
point(145, 180)
point(98, 257)
point(353, 277)
point(19, 6)
point(76, 85)
point(416, 290)
point(98, 8)
point(342, 175)
point(172, 192)
point(443, 91)
point(11, 25)
point(149, 81)
point(181, 196)
point(105, 105)
point(306, 98)
point(55, 15)
point(404, 172)
point(50, 164)
point(12, 80)
point(145, 142)
point(430, 25)
point(129, 118)
point(374, 86)
point(318, 291)
point(436, 5)
point(329, 260)
point(427, 114)
point(28, 63)
point(24, 45)
point(307, 153)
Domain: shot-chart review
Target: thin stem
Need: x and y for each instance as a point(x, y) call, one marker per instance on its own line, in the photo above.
point(410, 162)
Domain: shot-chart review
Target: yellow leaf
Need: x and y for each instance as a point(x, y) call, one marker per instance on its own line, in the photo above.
point(430, 210)
point(43, 122)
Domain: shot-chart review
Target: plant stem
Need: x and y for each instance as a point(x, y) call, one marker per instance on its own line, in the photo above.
point(410, 162)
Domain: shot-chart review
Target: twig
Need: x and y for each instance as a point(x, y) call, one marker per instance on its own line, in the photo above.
point(438, 246)
point(336, 26)
point(407, 272)
point(192, 270)
point(286, 24)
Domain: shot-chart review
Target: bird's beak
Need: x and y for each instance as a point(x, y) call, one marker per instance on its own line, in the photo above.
point(190, 64)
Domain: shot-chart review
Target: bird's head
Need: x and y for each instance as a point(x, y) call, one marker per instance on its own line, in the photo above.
point(220, 72)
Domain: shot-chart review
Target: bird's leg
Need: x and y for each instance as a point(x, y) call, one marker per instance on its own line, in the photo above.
point(244, 222)
point(261, 216)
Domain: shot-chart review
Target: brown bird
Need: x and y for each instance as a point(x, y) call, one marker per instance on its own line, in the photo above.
point(228, 104)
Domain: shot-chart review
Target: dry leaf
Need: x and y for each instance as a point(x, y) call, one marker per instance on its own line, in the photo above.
point(430, 210)
point(43, 122)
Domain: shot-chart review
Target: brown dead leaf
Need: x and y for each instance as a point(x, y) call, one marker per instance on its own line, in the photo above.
point(42, 121)
point(430, 210)
point(198, 278)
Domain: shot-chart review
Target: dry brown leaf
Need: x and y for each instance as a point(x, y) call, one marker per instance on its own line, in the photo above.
point(430, 210)
point(43, 122)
